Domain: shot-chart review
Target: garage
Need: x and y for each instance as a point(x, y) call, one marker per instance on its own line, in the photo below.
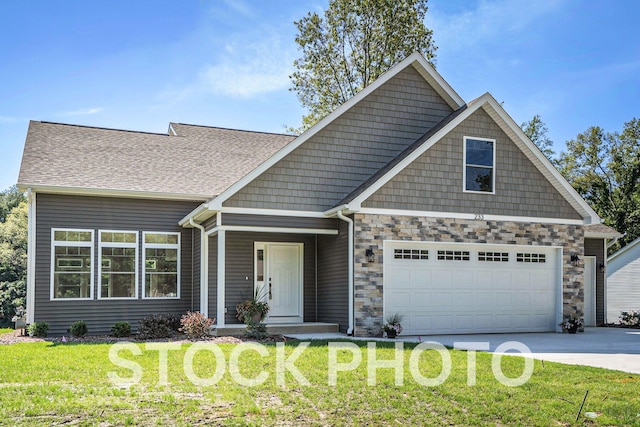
point(461, 288)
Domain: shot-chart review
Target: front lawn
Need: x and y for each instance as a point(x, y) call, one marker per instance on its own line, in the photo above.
point(45, 383)
point(5, 330)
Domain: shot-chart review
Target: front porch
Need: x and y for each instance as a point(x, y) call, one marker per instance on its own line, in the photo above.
point(279, 328)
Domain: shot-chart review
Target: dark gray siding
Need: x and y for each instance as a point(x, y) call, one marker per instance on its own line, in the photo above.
point(333, 277)
point(239, 267)
point(213, 277)
point(433, 182)
point(595, 247)
point(59, 211)
point(279, 221)
point(209, 223)
point(327, 167)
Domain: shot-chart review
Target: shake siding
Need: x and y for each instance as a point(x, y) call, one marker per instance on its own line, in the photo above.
point(279, 221)
point(333, 276)
point(433, 182)
point(327, 167)
point(595, 247)
point(59, 211)
point(240, 269)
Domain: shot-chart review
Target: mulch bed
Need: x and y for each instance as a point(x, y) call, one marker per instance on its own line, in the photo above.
point(16, 337)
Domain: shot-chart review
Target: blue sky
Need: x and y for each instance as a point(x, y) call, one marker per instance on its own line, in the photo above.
point(140, 64)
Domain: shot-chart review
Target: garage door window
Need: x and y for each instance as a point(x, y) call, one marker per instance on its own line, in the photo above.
point(493, 256)
point(410, 254)
point(531, 257)
point(453, 255)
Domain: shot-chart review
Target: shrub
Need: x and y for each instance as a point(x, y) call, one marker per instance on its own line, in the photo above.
point(79, 328)
point(158, 326)
point(256, 330)
point(121, 329)
point(38, 329)
point(196, 325)
point(630, 318)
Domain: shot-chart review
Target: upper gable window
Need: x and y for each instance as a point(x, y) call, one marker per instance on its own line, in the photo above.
point(479, 164)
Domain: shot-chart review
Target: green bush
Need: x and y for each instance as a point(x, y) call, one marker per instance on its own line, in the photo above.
point(79, 328)
point(158, 326)
point(196, 325)
point(121, 329)
point(256, 330)
point(38, 329)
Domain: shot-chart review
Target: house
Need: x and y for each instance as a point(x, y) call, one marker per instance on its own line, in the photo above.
point(623, 281)
point(404, 199)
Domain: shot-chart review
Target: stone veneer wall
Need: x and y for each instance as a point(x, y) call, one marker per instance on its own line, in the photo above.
point(372, 230)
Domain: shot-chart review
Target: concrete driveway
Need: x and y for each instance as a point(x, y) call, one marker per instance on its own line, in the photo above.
point(609, 348)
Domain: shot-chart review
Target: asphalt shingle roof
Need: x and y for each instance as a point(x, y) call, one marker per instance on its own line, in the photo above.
point(198, 161)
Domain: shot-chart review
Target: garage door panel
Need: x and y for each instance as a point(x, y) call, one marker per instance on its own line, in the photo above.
point(438, 296)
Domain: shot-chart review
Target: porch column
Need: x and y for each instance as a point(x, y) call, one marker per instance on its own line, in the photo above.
point(220, 312)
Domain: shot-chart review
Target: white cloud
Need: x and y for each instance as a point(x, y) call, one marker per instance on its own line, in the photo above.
point(488, 21)
point(82, 112)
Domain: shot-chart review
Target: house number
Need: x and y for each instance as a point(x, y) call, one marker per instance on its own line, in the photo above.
point(479, 217)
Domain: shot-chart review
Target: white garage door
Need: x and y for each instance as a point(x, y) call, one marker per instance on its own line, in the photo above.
point(470, 288)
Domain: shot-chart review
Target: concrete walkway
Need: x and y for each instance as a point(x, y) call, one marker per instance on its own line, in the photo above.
point(609, 348)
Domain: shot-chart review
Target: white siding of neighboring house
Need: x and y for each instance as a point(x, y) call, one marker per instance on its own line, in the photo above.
point(623, 282)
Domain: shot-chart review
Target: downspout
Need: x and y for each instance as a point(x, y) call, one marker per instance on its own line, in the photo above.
point(349, 221)
point(204, 268)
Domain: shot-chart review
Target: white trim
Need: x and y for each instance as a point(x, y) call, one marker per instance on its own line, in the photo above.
point(623, 250)
point(79, 191)
point(596, 235)
point(172, 131)
point(31, 255)
point(560, 294)
point(135, 245)
point(544, 166)
point(81, 244)
point(271, 230)
point(220, 308)
point(469, 216)
point(464, 165)
point(605, 261)
point(416, 60)
point(204, 269)
point(351, 265)
point(146, 245)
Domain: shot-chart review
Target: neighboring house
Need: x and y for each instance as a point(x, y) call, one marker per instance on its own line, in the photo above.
point(404, 199)
point(623, 281)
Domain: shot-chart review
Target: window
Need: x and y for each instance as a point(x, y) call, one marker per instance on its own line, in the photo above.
point(161, 266)
point(493, 256)
point(531, 257)
point(71, 267)
point(453, 255)
point(410, 254)
point(118, 264)
point(479, 161)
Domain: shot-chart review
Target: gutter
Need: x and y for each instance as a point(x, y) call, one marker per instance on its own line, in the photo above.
point(204, 268)
point(339, 214)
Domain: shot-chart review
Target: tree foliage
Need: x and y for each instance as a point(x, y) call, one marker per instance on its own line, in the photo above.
point(13, 261)
point(537, 130)
point(351, 46)
point(9, 199)
point(605, 169)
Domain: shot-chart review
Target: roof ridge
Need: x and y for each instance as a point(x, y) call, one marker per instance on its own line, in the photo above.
point(236, 130)
point(99, 127)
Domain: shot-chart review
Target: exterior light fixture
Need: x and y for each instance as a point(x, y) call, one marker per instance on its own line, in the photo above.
point(602, 267)
point(575, 260)
point(371, 257)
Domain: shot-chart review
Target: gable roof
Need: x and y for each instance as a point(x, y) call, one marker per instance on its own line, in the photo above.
point(511, 129)
point(600, 231)
point(415, 60)
point(626, 249)
point(60, 157)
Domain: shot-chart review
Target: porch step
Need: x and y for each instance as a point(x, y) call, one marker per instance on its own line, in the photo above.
point(279, 328)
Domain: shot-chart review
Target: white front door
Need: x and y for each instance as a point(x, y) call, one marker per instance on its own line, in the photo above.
point(590, 291)
point(281, 279)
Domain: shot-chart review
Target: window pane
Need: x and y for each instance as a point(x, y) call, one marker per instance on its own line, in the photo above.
point(71, 285)
point(479, 152)
point(161, 285)
point(72, 236)
point(118, 285)
point(479, 179)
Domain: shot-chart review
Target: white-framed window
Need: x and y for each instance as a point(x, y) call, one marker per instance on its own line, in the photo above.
point(71, 266)
point(161, 264)
point(118, 264)
point(479, 165)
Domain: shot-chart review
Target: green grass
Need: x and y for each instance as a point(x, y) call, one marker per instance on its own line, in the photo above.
point(44, 384)
point(5, 330)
